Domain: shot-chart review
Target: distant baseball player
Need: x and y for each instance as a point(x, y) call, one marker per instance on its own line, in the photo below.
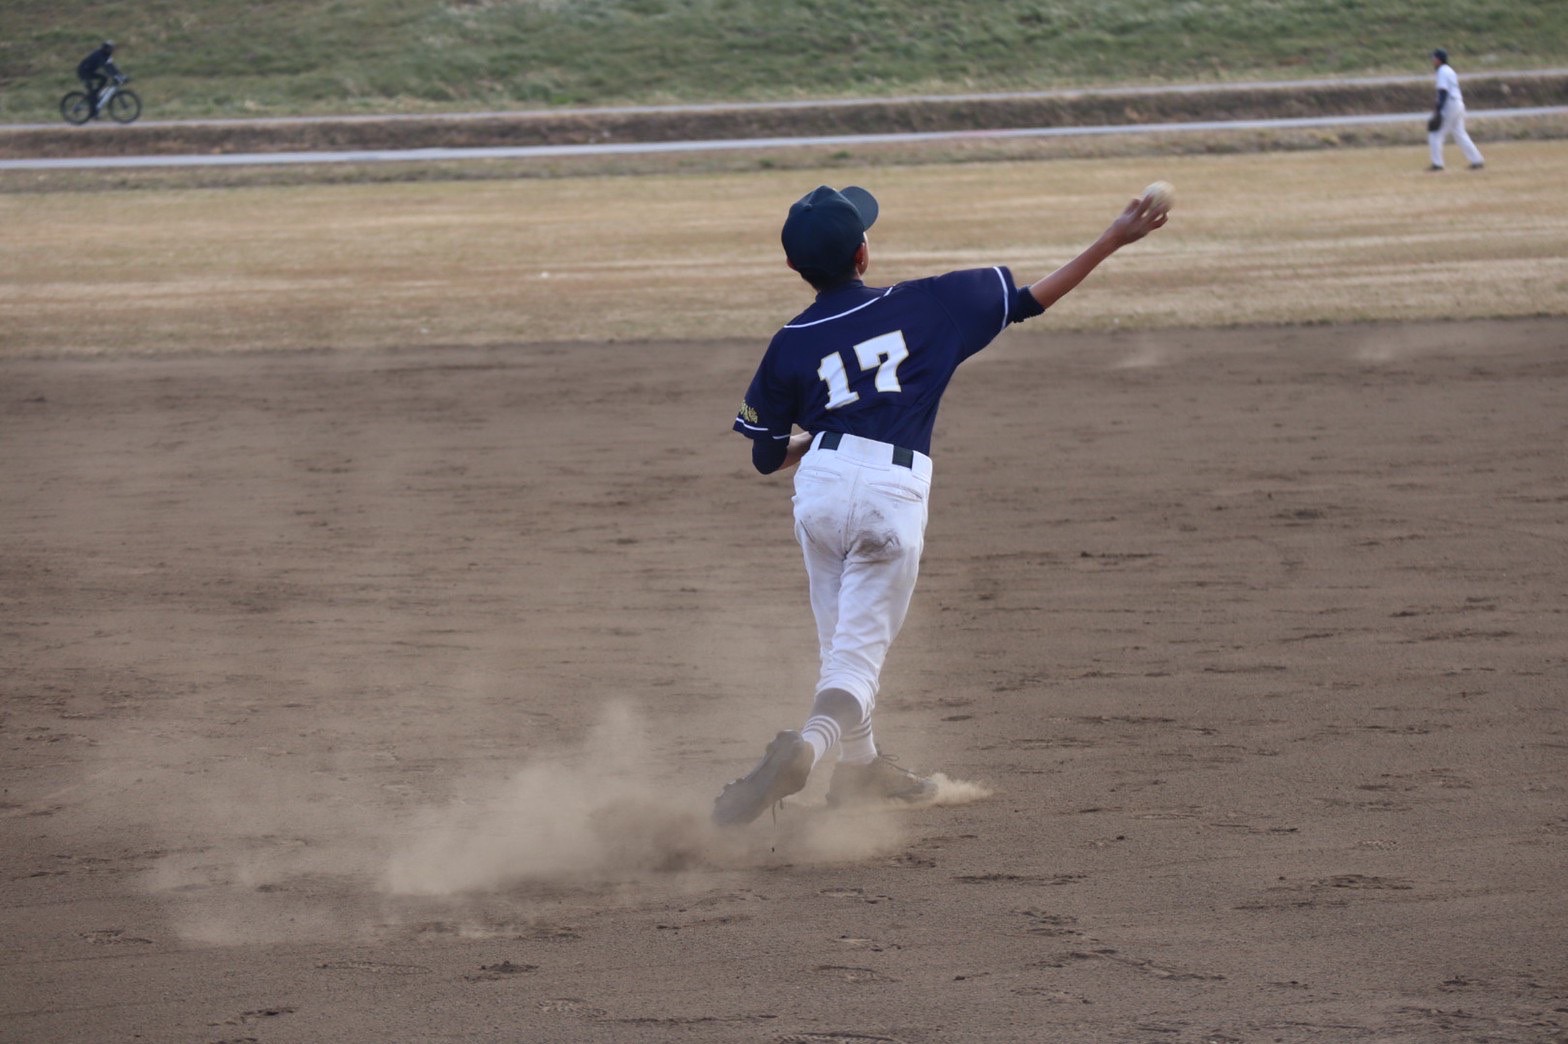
point(861, 373)
point(1449, 116)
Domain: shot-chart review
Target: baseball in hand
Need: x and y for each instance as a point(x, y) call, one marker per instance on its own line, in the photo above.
point(1161, 194)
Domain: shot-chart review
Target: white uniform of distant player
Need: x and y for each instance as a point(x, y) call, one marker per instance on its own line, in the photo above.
point(1453, 119)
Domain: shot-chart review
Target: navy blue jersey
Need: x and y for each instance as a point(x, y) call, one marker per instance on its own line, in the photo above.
point(874, 362)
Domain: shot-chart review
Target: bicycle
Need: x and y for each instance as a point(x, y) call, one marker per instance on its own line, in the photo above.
point(117, 100)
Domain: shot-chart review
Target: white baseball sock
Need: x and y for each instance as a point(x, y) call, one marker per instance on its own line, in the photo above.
point(856, 746)
point(821, 732)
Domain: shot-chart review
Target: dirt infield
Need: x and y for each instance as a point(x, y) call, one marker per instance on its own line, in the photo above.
point(381, 696)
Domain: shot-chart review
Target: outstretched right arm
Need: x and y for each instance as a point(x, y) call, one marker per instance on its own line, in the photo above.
point(1140, 217)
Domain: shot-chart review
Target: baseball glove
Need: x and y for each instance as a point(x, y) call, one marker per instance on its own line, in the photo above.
point(1434, 123)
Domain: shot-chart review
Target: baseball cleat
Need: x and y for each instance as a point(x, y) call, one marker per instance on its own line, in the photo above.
point(878, 781)
point(781, 772)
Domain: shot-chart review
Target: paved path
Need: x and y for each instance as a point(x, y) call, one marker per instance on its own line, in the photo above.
point(732, 144)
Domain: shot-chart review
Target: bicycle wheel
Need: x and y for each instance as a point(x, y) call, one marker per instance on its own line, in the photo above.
point(76, 108)
point(125, 107)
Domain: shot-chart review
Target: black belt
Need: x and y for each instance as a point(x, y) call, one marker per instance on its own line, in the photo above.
point(902, 455)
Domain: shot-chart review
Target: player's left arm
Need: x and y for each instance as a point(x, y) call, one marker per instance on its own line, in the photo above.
point(766, 417)
point(799, 443)
point(771, 455)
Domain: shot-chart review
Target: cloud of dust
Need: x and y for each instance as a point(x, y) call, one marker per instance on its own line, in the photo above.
point(587, 811)
point(1375, 353)
point(246, 848)
point(1386, 344)
point(958, 791)
point(602, 812)
point(269, 847)
point(1146, 353)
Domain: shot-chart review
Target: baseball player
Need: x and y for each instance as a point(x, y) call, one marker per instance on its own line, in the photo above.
point(861, 373)
point(1449, 116)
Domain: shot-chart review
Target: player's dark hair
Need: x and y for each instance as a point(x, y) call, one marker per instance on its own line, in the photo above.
point(824, 232)
point(821, 281)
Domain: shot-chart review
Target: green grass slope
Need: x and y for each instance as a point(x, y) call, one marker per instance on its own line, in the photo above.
point(274, 57)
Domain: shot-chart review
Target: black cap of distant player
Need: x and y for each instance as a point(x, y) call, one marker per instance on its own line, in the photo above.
point(1441, 55)
point(825, 228)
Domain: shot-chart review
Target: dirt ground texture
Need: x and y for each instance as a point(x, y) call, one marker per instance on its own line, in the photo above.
point(382, 696)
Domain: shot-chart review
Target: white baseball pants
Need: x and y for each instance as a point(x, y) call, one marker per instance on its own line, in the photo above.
point(1453, 123)
point(861, 522)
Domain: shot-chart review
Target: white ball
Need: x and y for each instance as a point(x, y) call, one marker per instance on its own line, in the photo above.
point(1161, 194)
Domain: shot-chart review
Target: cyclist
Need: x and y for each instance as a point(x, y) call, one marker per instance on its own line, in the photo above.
point(94, 71)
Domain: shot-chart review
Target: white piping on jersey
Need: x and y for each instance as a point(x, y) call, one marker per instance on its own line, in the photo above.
point(753, 427)
point(840, 315)
point(1007, 300)
point(1007, 306)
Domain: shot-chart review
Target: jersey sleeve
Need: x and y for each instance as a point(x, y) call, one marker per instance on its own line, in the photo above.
point(768, 410)
point(981, 302)
point(1448, 80)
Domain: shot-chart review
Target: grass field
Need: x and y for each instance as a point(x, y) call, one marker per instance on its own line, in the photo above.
point(1328, 236)
point(289, 56)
